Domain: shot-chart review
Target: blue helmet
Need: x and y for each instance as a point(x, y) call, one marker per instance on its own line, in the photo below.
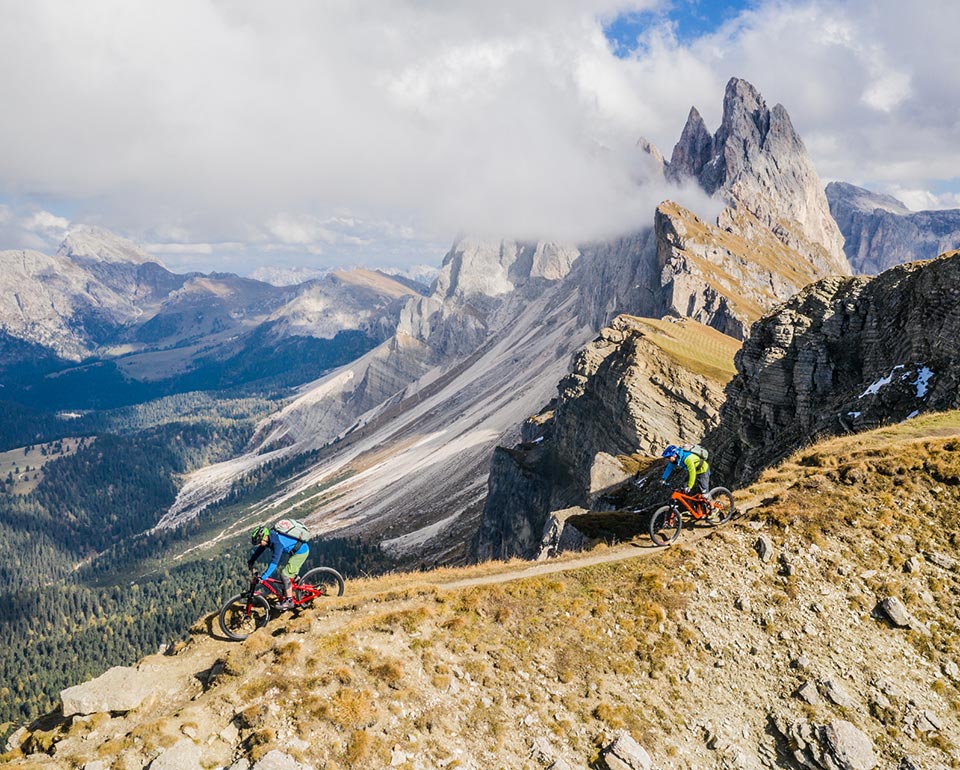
point(670, 451)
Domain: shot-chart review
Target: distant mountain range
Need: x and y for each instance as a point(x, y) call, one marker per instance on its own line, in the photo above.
point(102, 314)
point(880, 232)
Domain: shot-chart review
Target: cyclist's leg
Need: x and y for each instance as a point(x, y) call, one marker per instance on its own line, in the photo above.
point(291, 569)
point(703, 483)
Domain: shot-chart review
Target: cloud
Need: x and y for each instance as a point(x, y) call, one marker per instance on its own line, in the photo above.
point(29, 227)
point(874, 90)
point(924, 200)
point(208, 122)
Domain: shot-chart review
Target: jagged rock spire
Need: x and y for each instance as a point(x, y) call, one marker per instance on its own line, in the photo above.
point(757, 161)
point(693, 151)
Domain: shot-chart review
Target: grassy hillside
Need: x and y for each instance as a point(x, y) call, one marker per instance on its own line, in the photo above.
point(708, 654)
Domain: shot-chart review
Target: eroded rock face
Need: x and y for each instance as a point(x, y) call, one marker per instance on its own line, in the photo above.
point(721, 278)
point(880, 232)
point(845, 354)
point(623, 395)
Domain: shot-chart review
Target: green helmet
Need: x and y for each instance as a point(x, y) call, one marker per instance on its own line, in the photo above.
point(259, 533)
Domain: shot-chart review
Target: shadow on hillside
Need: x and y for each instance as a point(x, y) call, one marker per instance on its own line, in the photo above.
point(211, 626)
point(621, 513)
point(613, 527)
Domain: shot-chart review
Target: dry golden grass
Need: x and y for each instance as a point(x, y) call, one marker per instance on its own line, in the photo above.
point(406, 661)
point(350, 707)
point(694, 346)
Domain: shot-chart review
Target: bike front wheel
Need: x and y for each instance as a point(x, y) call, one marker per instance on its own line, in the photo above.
point(242, 615)
point(326, 580)
point(721, 507)
point(665, 525)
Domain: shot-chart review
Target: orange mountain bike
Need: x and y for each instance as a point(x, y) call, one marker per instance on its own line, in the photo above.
point(716, 507)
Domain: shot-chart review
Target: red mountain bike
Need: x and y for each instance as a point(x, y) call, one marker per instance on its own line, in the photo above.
point(244, 613)
point(714, 508)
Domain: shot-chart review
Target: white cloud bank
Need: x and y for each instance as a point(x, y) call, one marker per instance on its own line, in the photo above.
point(313, 132)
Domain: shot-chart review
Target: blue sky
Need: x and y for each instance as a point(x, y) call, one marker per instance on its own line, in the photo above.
point(691, 19)
point(224, 136)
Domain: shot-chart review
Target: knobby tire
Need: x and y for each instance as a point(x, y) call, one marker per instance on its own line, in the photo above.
point(234, 620)
point(723, 497)
point(326, 579)
point(665, 525)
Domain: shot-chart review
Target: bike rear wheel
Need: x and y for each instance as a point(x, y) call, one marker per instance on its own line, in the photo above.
point(665, 525)
point(721, 508)
point(237, 621)
point(326, 580)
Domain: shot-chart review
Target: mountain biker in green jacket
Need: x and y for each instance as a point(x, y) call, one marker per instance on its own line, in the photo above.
point(698, 470)
point(281, 545)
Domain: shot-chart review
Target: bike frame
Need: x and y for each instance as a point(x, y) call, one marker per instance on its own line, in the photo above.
point(302, 592)
point(700, 504)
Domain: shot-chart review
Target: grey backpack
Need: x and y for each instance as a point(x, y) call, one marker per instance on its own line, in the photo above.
point(292, 528)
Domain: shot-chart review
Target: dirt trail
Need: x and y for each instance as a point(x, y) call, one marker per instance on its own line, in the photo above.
point(204, 650)
point(637, 549)
point(616, 553)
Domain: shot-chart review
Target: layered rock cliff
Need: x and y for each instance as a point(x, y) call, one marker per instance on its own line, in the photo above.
point(880, 231)
point(845, 354)
point(640, 385)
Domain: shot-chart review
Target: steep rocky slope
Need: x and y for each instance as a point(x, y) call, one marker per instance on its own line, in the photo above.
point(845, 354)
point(726, 278)
point(640, 385)
point(410, 470)
point(880, 232)
point(819, 630)
point(404, 435)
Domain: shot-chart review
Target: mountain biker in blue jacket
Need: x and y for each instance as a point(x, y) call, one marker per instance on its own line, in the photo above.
point(698, 470)
point(295, 551)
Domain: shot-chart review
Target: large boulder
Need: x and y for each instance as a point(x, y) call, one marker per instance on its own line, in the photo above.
point(119, 689)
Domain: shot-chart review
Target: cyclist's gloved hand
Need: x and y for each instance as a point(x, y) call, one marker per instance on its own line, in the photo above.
point(687, 490)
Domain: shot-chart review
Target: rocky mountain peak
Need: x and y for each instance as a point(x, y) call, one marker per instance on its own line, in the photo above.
point(88, 243)
point(858, 199)
point(756, 161)
point(694, 149)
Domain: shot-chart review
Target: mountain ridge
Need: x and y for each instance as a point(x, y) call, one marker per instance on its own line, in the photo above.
point(881, 232)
